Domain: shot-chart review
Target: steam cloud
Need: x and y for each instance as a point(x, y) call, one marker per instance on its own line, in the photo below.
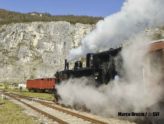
point(138, 89)
point(114, 30)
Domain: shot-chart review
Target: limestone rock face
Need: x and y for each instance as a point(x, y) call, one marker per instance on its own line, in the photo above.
point(37, 49)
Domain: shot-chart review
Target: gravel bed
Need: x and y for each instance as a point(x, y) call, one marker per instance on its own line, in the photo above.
point(108, 120)
point(68, 118)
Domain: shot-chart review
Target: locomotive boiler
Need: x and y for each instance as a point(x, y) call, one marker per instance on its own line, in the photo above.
point(99, 66)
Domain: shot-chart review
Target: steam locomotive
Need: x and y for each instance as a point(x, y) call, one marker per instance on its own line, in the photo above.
point(99, 66)
point(104, 66)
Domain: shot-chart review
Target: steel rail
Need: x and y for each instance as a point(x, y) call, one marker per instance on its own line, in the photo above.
point(38, 110)
point(50, 105)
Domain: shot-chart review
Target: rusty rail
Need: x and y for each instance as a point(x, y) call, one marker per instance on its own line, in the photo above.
point(95, 121)
point(50, 105)
point(38, 110)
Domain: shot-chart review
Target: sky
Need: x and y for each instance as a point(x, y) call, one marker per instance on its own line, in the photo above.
point(64, 7)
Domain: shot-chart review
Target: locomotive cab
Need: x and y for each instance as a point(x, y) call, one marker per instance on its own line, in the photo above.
point(104, 65)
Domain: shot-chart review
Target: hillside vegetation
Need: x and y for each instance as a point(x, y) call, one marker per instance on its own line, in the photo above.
point(7, 17)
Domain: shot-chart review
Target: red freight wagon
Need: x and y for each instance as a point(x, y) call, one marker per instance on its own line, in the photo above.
point(43, 84)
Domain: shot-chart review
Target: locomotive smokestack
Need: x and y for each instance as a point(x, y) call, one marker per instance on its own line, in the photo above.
point(89, 60)
point(66, 67)
point(65, 64)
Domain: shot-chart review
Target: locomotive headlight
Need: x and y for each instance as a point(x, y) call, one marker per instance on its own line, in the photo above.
point(96, 74)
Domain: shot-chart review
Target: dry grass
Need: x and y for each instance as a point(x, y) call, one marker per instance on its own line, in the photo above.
point(12, 114)
point(1, 86)
point(46, 96)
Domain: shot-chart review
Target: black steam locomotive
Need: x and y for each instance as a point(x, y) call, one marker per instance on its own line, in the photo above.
point(99, 66)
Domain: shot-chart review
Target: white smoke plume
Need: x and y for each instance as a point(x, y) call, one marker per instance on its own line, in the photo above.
point(136, 91)
point(114, 30)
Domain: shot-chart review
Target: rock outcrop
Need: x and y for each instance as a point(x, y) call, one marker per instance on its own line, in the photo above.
point(37, 49)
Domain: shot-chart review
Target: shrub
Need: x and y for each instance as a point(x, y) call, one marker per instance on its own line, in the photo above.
point(7, 17)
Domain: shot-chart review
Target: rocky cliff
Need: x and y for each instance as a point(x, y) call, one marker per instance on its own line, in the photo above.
point(37, 49)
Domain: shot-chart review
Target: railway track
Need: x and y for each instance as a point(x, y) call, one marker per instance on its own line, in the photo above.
point(55, 112)
point(60, 121)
